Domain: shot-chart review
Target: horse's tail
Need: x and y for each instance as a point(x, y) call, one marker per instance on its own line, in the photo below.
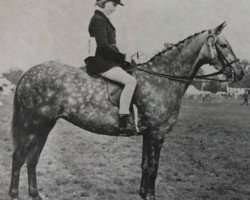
point(15, 119)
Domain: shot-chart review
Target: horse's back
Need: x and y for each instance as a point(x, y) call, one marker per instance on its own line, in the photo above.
point(55, 76)
point(52, 70)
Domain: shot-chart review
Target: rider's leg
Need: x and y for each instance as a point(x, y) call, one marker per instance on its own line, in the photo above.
point(117, 74)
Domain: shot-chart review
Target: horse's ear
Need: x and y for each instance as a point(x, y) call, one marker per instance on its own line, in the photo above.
point(219, 28)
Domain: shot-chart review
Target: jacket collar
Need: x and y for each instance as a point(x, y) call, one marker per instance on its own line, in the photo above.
point(98, 12)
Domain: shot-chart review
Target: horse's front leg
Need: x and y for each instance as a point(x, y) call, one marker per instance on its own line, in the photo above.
point(152, 144)
point(144, 165)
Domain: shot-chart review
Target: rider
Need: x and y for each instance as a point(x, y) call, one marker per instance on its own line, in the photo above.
point(108, 59)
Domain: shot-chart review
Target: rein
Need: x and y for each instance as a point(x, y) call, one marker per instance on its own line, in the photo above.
point(227, 69)
point(182, 78)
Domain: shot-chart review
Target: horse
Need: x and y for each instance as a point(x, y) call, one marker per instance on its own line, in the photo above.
point(52, 90)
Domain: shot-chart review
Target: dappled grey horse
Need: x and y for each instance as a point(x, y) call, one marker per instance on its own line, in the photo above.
point(52, 90)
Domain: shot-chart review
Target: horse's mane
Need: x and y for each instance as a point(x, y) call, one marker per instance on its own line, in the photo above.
point(170, 48)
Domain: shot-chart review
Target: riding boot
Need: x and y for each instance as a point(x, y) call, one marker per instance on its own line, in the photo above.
point(127, 128)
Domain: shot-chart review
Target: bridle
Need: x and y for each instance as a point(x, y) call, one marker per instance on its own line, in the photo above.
point(227, 68)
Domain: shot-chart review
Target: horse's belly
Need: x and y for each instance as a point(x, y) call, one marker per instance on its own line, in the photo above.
point(98, 119)
point(91, 109)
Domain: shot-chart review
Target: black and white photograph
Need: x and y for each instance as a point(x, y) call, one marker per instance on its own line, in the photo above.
point(124, 100)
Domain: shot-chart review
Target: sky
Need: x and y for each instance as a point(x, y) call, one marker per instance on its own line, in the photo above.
point(35, 31)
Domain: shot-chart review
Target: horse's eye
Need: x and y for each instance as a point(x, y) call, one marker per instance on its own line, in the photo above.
point(223, 46)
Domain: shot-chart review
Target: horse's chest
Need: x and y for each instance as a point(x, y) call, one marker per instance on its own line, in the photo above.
point(160, 109)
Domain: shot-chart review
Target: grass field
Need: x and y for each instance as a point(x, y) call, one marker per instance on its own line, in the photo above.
point(205, 157)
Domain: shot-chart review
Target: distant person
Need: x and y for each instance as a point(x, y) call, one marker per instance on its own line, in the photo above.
point(245, 98)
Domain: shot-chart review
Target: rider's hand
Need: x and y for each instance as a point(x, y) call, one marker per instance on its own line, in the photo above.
point(130, 61)
point(133, 63)
point(127, 59)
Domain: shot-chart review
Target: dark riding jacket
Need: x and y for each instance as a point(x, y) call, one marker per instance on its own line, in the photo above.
point(107, 54)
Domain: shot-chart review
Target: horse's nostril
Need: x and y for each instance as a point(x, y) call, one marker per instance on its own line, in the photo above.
point(242, 73)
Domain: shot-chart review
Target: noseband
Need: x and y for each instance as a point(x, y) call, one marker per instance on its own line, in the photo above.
point(227, 68)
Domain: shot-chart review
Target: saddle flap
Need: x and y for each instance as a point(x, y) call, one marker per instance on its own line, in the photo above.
point(114, 92)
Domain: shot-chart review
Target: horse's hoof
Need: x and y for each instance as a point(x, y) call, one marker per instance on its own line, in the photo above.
point(148, 198)
point(36, 198)
point(143, 194)
point(15, 198)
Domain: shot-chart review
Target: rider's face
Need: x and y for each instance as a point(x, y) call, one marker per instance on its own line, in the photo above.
point(110, 7)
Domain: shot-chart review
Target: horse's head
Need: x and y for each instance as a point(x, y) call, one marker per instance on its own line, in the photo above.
point(217, 52)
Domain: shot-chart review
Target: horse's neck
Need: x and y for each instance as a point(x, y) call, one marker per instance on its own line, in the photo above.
point(160, 98)
point(181, 60)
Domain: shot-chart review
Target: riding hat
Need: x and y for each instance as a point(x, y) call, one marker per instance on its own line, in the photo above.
point(116, 1)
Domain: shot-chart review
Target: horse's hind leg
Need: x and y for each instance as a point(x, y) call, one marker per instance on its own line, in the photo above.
point(29, 143)
point(32, 160)
point(38, 140)
point(18, 159)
